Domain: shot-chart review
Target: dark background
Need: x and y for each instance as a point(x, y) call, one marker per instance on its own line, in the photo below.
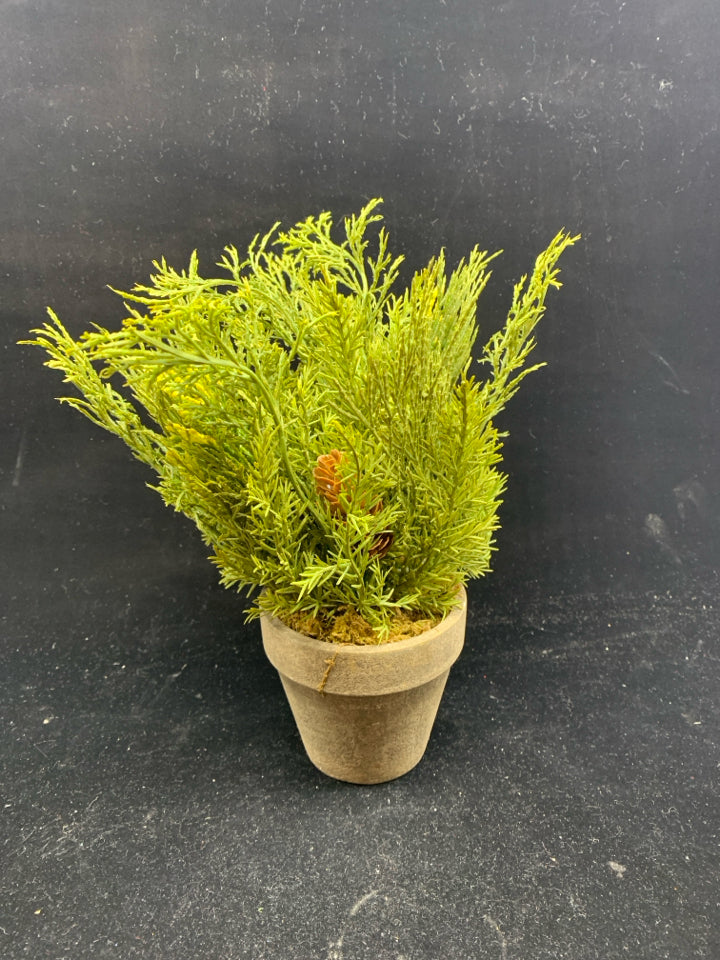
point(156, 799)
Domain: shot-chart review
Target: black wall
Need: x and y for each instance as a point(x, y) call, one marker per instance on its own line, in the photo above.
point(134, 130)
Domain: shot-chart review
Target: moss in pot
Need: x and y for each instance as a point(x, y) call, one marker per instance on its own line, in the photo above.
point(336, 450)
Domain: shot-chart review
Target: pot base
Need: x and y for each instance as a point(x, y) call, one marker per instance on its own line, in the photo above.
point(365, 739)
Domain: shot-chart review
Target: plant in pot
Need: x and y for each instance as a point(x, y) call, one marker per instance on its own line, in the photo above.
point(330, 440)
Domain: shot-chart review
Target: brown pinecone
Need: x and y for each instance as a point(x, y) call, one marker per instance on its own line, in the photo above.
point(381, 543)
point(327, 482)
point(329, 486)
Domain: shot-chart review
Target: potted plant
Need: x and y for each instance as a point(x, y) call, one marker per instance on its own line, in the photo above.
point(330, 440)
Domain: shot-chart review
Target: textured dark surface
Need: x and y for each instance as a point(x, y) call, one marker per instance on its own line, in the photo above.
point(157, 802)
point(155, 799)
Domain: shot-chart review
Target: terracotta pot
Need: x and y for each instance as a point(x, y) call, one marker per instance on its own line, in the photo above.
point(365, 712)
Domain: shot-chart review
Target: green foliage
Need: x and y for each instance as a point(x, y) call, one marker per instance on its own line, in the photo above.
point(300, 350)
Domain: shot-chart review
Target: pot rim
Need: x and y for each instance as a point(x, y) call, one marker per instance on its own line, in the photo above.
point(365, 669)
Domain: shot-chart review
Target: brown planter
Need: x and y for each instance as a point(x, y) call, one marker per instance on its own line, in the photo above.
point(365, 713)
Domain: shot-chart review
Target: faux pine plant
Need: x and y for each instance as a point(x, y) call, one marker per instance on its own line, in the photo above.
point(327, 434)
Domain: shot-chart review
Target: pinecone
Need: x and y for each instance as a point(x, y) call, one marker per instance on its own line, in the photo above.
point(329, 486)
point(381, 543)
point(327, 482)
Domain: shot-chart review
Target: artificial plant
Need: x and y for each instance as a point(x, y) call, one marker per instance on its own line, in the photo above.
point(328, 436)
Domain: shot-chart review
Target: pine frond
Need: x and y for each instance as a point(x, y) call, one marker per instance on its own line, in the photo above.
point(323, 432)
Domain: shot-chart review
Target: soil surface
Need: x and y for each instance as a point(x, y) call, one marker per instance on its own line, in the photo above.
point(348, 626)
